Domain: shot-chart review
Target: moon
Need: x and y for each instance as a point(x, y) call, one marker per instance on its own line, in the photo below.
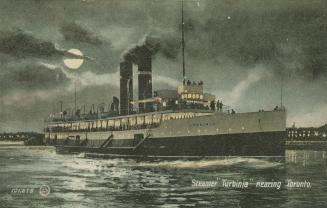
point(74, 63)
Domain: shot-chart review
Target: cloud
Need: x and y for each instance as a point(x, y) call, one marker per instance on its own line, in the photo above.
point(42, 84)
point(89, 78)
point(114, 35)
point(234, 96)
point(24, 98)
point(32, 76)
point(258, 33)
point(77, 33)
point(20, 44)
point(164, 80)
point(47, 65)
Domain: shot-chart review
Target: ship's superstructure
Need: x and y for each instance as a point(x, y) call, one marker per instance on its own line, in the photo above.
point(181, 122)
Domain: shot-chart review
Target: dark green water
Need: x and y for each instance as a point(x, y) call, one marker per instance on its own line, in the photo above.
point(75, 181)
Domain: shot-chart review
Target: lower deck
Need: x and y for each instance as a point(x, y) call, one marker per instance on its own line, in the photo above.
point(249, 144)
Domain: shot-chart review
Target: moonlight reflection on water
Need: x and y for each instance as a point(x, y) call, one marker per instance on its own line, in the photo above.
point(76, 181)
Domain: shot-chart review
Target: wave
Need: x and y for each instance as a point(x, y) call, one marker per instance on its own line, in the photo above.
point(213, 164)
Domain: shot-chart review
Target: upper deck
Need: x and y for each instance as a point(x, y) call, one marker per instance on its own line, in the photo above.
point(187, 98)
point(121, 123)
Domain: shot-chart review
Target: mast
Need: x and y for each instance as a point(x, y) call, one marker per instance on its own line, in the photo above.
point(183, 42)
point(60, 101)
point(75, 97)
point(281, 92)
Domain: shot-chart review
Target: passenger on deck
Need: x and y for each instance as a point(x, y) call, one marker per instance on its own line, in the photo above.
point(212, 105)
point(221, 106)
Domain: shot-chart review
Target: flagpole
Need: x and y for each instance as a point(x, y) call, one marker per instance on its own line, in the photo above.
point(183, 42)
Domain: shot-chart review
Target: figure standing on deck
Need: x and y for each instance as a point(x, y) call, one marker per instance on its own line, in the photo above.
point(219, 106)
point(212, 105)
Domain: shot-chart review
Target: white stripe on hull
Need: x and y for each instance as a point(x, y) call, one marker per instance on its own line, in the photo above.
point(215, 124)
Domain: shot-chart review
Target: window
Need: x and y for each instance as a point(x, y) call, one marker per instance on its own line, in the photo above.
point(124, 121)
point(111, 123)
point(140, 120)
point(148, 119)
point(156, 118)
point(83, 125)
point(165, 117)
point(103, 124)
point(132, 121)
point(117, 123)
point(76, 126)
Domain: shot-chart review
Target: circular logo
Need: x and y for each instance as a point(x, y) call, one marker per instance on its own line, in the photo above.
point(44, 190)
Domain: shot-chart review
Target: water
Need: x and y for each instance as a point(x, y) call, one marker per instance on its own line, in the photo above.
point(76, 181)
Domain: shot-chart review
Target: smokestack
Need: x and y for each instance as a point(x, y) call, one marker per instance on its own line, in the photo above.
point(141, 56)
point(126, 87)
point(145, 81)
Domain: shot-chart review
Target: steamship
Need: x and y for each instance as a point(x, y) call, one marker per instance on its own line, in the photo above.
point(185, 122)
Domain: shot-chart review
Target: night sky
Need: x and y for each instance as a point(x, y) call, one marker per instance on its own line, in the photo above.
point(242, 49)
